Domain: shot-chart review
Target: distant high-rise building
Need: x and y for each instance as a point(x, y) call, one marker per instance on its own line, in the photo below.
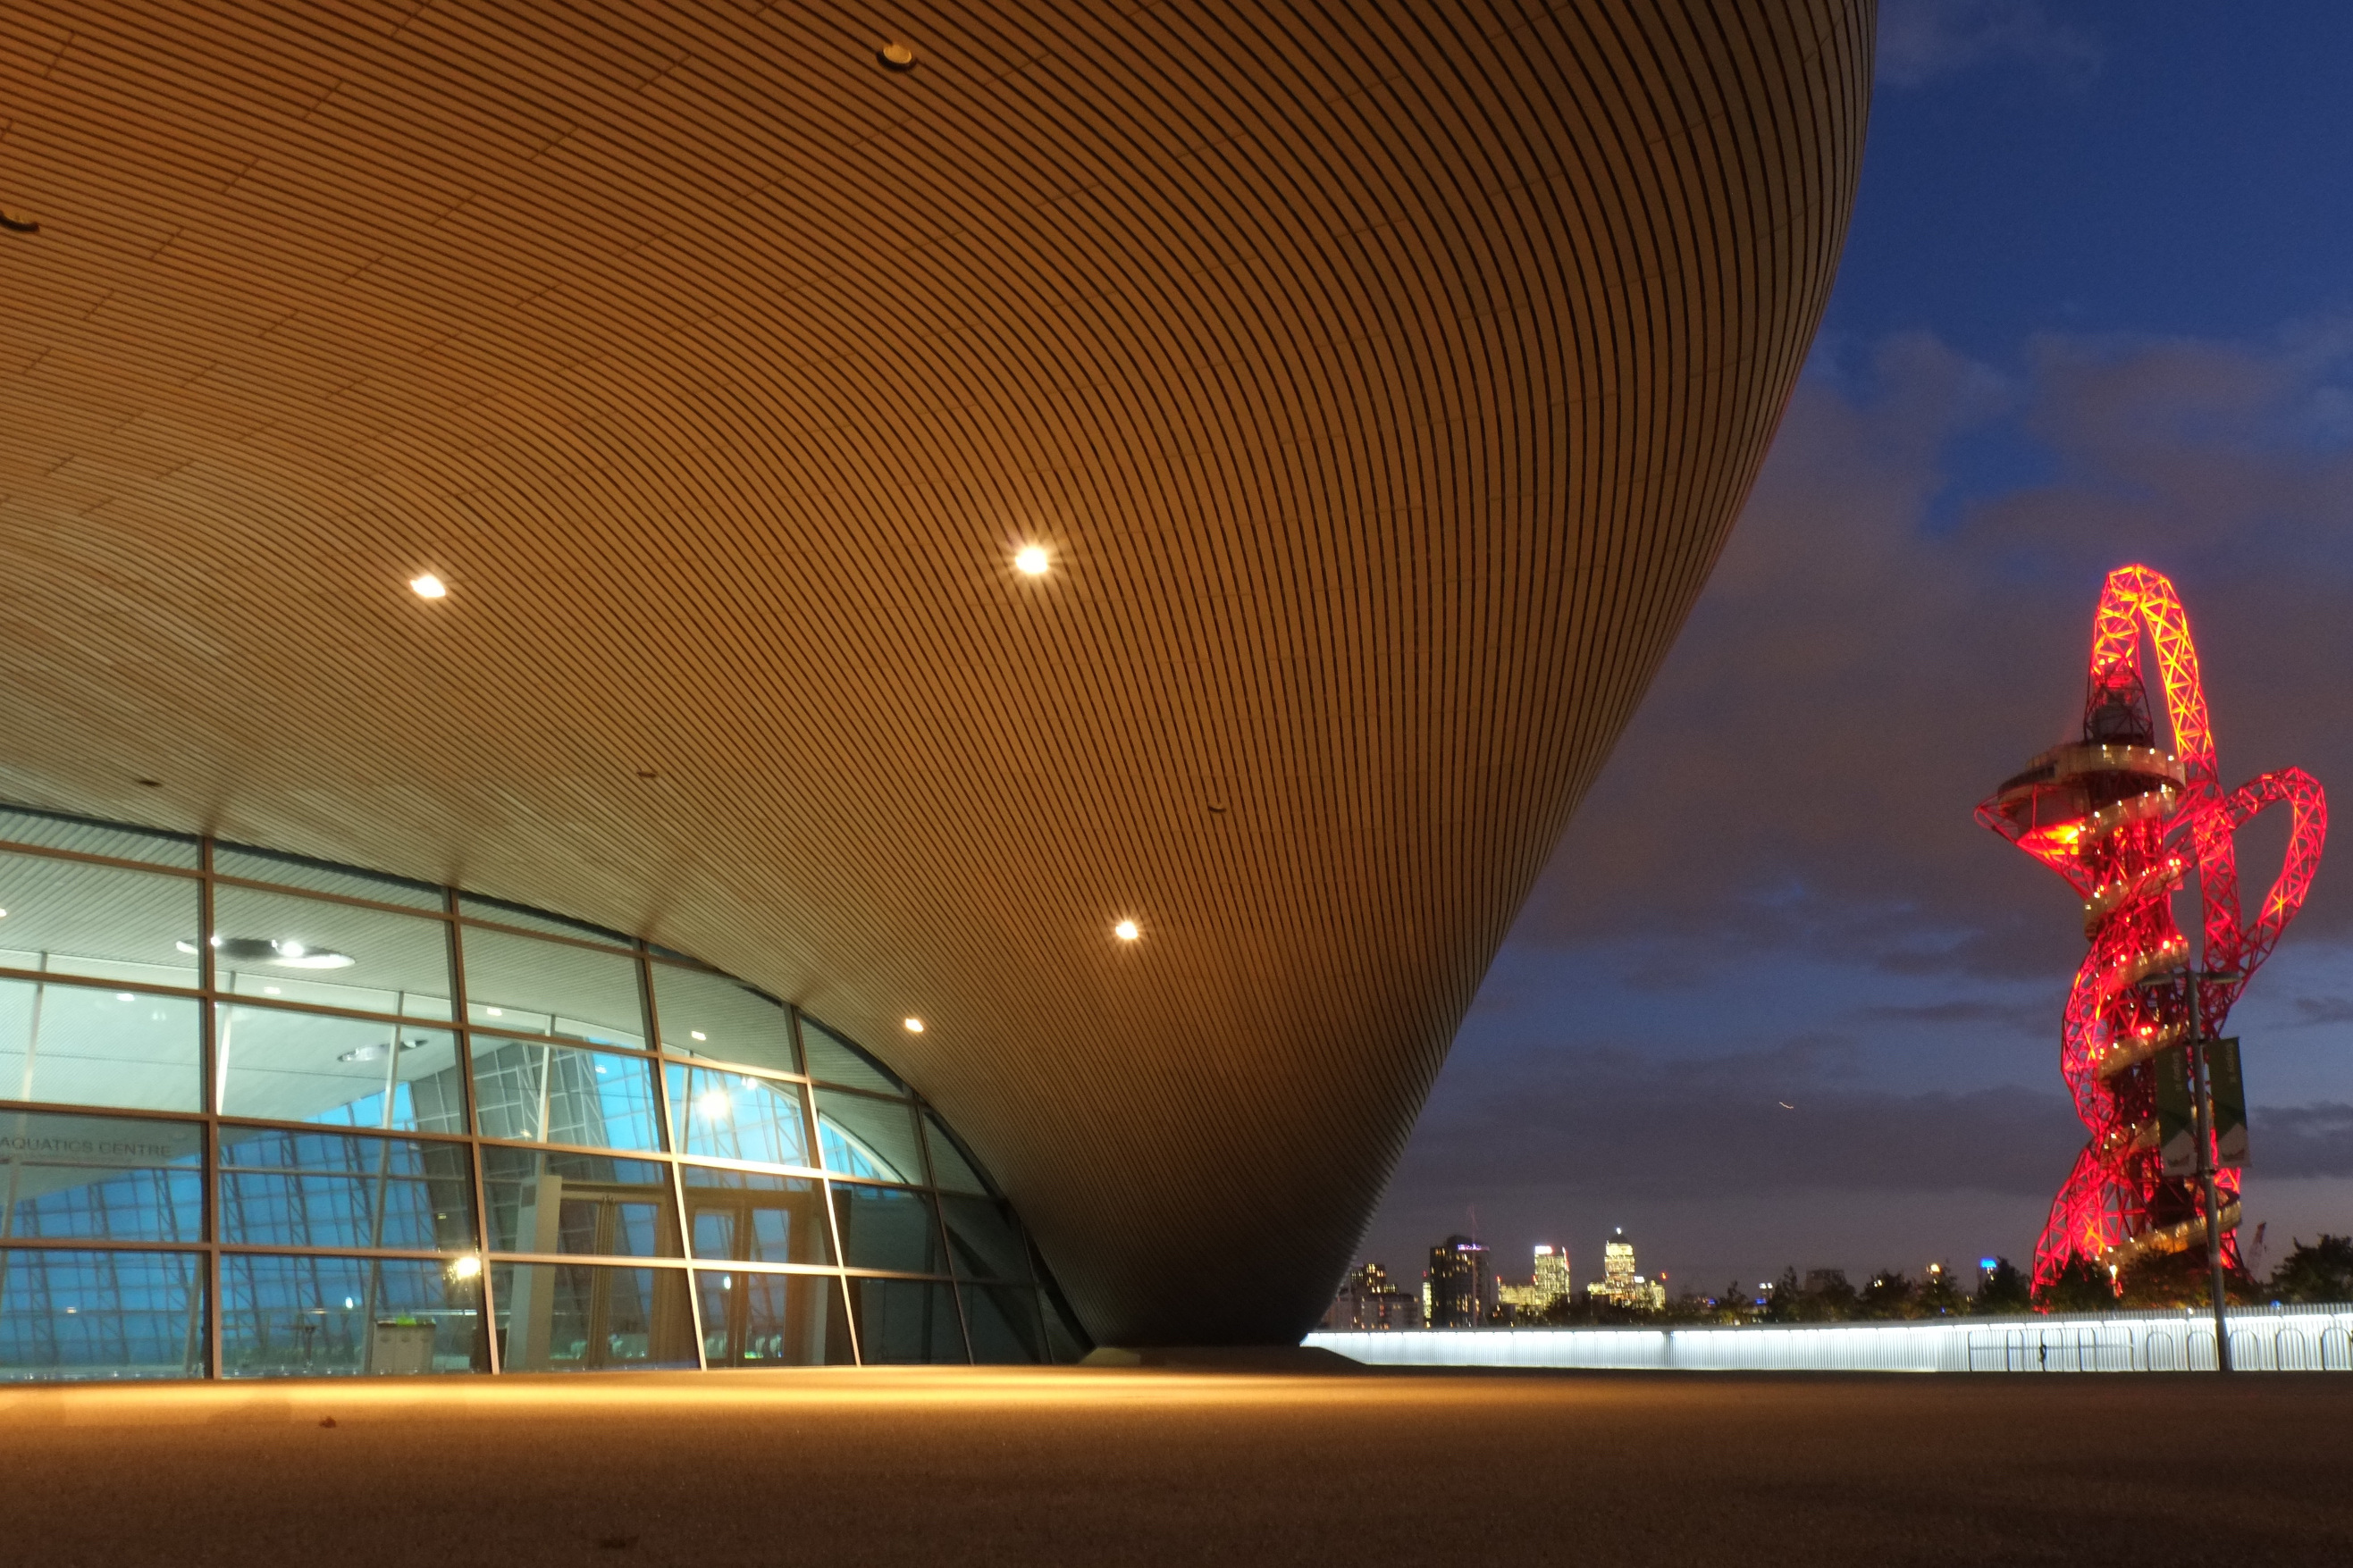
point(1548, 1283)
point(1458, 1291)
point(1368, 1301)
point(1620, 1283)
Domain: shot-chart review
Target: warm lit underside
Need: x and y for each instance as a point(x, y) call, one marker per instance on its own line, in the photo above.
point(1382, 385)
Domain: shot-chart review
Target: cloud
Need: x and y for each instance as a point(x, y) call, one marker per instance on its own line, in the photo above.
point(1788, 1119)
point(1920, 40)
point(1870, 659)
point(2325, 1009)
point(2300, 1140)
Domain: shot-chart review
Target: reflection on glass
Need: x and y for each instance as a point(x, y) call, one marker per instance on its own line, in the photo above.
point(546, 1201)
point(526, 986)
point(103, 922)
point(752, 1216)
point(314, 1317)
point(707, 1015)
point(835, 1060)
point(579, 1316)
point(284, 1188)
point(99, 1177)
point(772, 1319)
point(100, 1314)
point(983, 1240)
point(951, 1171)
point(884, 1227)
point(1065, 1341)
point(902, 1320)
point(72, 1044)
point(561, 1094)
point(734, 1116)
point(1003, 1322)
point(318, 876)
point(873, 1139)
point(311, 1066)
point(295, 948)
point(497, 910)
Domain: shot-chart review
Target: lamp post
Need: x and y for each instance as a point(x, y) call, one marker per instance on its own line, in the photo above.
point(2202, 1103)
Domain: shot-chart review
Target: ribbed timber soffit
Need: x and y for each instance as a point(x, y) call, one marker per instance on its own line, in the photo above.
point(1384, 380)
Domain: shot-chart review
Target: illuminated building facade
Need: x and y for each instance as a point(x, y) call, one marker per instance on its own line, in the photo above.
point(1547, 1285)
point(1367, 1299)
point(1620, 1284)
point(950, 536)
point(1459, 1288)
point(266, 1116)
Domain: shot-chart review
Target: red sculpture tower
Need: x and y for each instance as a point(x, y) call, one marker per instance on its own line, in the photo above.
point(2125, 822)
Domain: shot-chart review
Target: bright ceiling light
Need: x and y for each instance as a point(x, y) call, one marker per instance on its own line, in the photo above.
point(914, 1026)
point(429, 586)
point(1126, 930)
point(466, 1267)
point(696, 1035)
point(715, 1105)
point(1031, 560)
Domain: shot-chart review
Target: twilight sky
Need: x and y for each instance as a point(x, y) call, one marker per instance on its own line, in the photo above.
point(2096, 307)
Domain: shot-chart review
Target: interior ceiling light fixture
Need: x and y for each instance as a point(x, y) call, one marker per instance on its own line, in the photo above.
point(914, 1026)
point(896, 56)
point(1031, 560)
point(429, 586)
point(284, 952)
point(1126, 930)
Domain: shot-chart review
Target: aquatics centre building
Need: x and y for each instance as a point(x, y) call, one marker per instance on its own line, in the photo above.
point(709, 685)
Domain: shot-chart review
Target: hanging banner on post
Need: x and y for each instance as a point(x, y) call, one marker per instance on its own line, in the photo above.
point(2177, 1119)
point(2228, 1088)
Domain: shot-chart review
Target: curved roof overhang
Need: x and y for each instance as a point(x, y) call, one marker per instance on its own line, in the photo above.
point(1383, 381)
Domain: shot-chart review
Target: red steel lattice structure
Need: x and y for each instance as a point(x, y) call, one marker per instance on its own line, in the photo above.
point(2124, 823)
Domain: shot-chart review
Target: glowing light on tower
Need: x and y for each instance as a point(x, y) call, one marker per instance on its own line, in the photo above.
point(2125, 822)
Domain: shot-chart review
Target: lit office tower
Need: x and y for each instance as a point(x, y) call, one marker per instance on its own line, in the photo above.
point(1617, 1276)
point(1455, 1289)
point(1551, 1278)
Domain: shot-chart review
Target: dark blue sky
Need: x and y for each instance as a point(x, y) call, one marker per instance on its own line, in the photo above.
point(2096, 306)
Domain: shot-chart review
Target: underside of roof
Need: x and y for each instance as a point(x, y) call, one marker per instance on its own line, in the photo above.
point(1381, 380)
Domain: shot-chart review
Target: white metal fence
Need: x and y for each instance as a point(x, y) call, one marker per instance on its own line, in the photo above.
point(2267, 1339)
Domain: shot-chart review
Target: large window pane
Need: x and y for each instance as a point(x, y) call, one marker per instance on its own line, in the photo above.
point(750, 1216)
point(951, 1171)
point(835, 1060)
point(706, 1014)
point(773, 1319)
point(530, 987)
point(100, 1314)
point(99, 1177)
point(1065, 1341)
point(71, 1044)
point(577, 1316)
point(902, 1321)
point(734, 1116)
point(545, 1201)
point(329, 955)
point(282, 1188)
point(475, 907)
point(1003, 1322)
point(296, 1317)
point(103, 922)
point(885, 1228)
point(983, 1241)
point(309, 1066)
point(294, 871)
point(873, 1139)
point(23, 824)
point(560, 1094)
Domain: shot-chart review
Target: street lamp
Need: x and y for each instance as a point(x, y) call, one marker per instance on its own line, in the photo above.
point(2202, 1102)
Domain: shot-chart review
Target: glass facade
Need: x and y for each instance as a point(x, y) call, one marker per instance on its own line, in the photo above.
point(265, 1117)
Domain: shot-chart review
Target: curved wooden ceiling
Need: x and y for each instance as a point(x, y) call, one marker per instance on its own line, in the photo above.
point(1383, 378)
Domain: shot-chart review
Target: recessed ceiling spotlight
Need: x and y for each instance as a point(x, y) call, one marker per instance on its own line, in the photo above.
point(429, 586)
point(1031, 560)
point(1127, 930)
point(17, 222)
point(696, 1035)
point(914, 1026)
point(896, 56)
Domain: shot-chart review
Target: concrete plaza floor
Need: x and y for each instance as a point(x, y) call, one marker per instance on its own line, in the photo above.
point(1093, 1466)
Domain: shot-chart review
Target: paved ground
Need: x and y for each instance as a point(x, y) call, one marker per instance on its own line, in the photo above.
point(1100, 1467)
